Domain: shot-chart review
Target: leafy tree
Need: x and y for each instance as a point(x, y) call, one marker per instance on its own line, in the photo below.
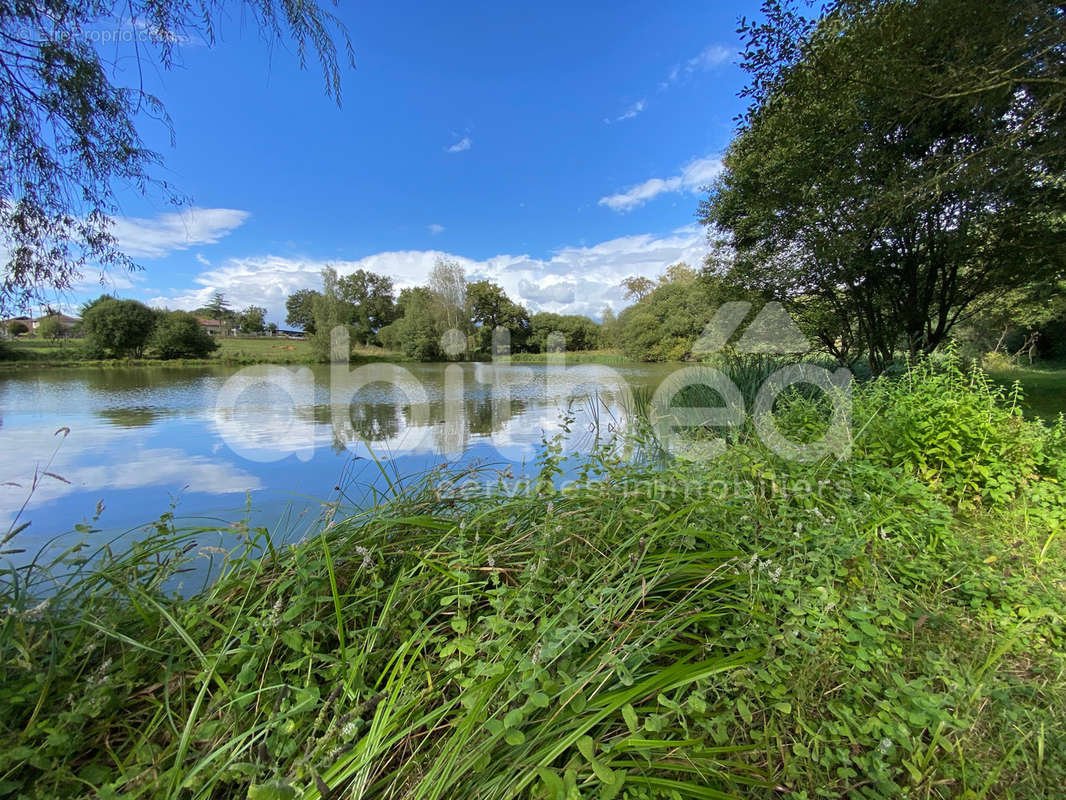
point(17, 327)
point(120, 328)
point(272, 328)
point(300, 309)
point(447, 281)
point(491, 307)
point(50, 328)
point(178, 334)
point(252, 320)
point(418, 331)
point(370, 295)
point(637, 287)
point(610, 330)
point(330, 310)
point(579, 332)
point(899, 163)
point(68, 135)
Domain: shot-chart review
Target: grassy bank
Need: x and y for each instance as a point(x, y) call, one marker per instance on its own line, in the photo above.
point(610, 357)
point(883, 626)
point(232, 351)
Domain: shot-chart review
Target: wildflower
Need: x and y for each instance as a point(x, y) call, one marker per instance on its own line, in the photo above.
point(492, 562)
point(885, 745)
point(348, 731)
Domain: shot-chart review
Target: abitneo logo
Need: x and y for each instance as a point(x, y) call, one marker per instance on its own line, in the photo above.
point(682, 428)
point(690, 412)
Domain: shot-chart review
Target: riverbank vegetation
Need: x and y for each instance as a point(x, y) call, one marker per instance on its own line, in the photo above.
point(887, 624)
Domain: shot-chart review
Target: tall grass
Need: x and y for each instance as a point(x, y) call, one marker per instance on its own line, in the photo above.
point(749, 627)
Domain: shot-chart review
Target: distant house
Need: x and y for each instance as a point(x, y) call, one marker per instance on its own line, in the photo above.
point(65, 322)
point(212, 326)
point(27, 321)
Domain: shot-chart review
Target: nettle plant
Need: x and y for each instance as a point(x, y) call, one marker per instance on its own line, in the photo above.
point(957, 432)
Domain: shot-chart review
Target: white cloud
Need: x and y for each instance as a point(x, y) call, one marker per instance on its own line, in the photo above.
point(203, 259)
point(435, 228)
point(630, 112)
point(694, 175)
point(463, 144)
point(713, 55)
point(167, 233)
point(573, 280)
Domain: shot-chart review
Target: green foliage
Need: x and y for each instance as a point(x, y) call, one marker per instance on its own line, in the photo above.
point(957, 432)
point(860, 177)
point(118, 328)
point(252, 320)
point(50, 328)
point(490, 307)
point(419, 330)
point(17, 327)
point(69, 139)
point(301, 310)
point(579, 332)
point(667, 321)
point(177, 334)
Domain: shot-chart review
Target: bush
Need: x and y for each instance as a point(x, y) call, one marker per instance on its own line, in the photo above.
point(954, 430)
point(17, 328)
point(119, 328)
point(50, 328)
point(179, 335)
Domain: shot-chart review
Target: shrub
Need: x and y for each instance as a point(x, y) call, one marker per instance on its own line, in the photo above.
point(120, 328)
point(17, 328)
point(50, 328)
point(955, 430)
point(179, 335)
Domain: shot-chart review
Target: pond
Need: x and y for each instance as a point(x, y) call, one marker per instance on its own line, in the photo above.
point(114, 448)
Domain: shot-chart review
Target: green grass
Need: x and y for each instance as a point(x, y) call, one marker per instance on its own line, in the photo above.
point(891, 625)
point(1045, 387)
point(31, 352)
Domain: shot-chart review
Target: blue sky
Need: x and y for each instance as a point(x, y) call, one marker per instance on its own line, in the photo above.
point(552, 149)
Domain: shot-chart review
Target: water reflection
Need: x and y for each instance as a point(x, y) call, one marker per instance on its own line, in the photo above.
point(141, 437)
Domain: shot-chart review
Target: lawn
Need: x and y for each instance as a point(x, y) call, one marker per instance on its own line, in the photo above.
point(1044, 387)
point(232, 350)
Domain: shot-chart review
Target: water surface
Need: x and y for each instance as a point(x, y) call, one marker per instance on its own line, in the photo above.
point(214, 442)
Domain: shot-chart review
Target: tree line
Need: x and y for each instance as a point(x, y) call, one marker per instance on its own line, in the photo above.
point(449, 317)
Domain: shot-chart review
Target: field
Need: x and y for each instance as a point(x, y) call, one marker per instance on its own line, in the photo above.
point(232, 350)
point(888, 625)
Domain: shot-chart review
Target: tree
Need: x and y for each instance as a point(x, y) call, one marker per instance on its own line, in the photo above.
point(68, 135)
point(610, 331)
point(900, 162)
point(50, 328)
point(637, 287)
point(17, 327)
point(300, 308)
point(178, 334)
point(371, 297)
point(272, 328)
point(330, 310)
point(120, 328)
point(490, 307)
point(447, 281)
point(252, 320)
point(418, 331)
point(579, 333)
point(218, 307)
